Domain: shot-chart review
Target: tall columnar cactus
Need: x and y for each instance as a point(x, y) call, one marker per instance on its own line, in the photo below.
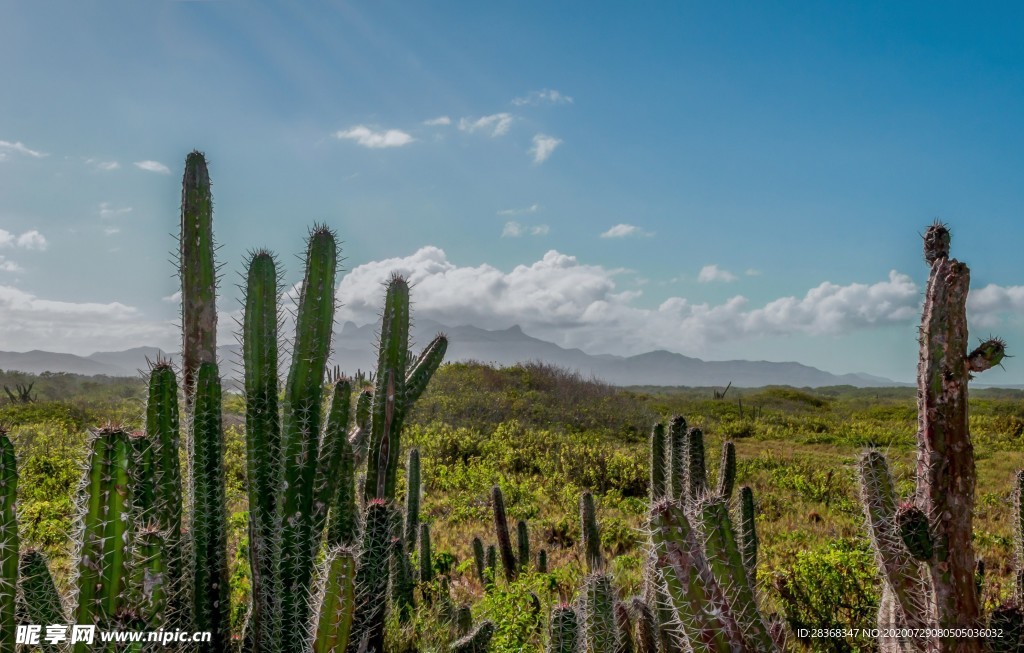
point(105, 504)
point(624, 625)
point(696, 472)
point(936, 590)
point(727, 470)
point(658, 462)
point(426, 555)
point(398, 386)
point(591, 536)
point(1018, 536)
point(41, 601)
point(9, 560)
point(412, 499)
point(337, 598)
point(564, 632)
point(403, 584)
point(478, 558)
point(646, 626)
point(508, 558)
point(747, 532)
point(523, 540)
point(597, 609)
point(210, 591)
point(677, 461)
point(197, 270)
point(372, 580)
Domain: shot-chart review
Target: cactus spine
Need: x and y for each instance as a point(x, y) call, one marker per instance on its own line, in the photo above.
point(9, 559)
point(937, 589)
point(197, 270)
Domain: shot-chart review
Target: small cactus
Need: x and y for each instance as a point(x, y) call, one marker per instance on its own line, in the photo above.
point(591, 536)
point(508, 558)
point(564, 633)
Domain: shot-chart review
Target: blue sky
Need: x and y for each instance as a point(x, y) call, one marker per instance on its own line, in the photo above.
point(726, 180)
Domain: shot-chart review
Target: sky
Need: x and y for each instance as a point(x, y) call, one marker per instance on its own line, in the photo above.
point(730, 180)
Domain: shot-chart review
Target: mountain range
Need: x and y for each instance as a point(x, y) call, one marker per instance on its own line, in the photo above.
point(354, 348)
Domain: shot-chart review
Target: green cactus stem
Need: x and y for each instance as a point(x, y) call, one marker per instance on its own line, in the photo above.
point(477, 641)
point(1018, 536)
point(164, 436)
point(426, 555)
point(402, 583)
point(423, 369)
point(303, 398)
point(542, 561)
point(564, 632)
point(658, 462)
point(210, 591)
point(591, 536)
point(696, 472)
point(646, 626)
point(149, 577)
point(197, 270)
point(478, 558)
point(334, 447)
point(412, 499)
point(912, 524)
point(727, 470)
point(359, 434)
point(42, 603)
point(597, 608)
point(9, 559)
point(372, 579)
point(523, 540)
point(508, 558)
point(1007, 624)
point(747, 532)
point(726, 563)
point(697, 598)
point(463, 620)
point(491, 573)
point(677, 461)
point(337, 596)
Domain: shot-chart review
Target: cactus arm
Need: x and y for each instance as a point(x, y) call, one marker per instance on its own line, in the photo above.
point(210, 592)
point(624, 624)
point(677, 463)
point(747, 532)
point(523, 540)
point(343, 527)
point(726, 563)
point(508, 559)
point(426, 555)
point(696, 473)
point(90, 542)
point(727, 471)
point(423, 369)
point(564, 632)
point(337, 602)
point(694, 594)
point(478, 558)
point(899, 570)
point(597, 608)
point(333, 448)
point(301, 425)
point(9, 559)
point(412, 499)
point(197, 270)
point(657, 462)
point(590, 533)
point(116, 535)
point(402, 583)
point(646, 626)
point(389, 392)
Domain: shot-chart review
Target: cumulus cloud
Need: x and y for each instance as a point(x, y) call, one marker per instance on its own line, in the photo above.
point(545, 96)
point(438, 122)
point(987, 306)
point(561, 299)
point(497, 124)
point(710, 273)
point(624, 231)
point(533, 208)
point(515, 229)
point(9, 266)
point(31, 239)
point(17, 147)
point(367, 137)
point(543, 146)
point(153, 166)
point(27, 321)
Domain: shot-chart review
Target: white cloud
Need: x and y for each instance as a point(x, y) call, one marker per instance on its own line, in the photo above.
point(28, 321)
point(710, 273)
point(107, 210)
point(32, 240)
point(108, 165)
point(751, 272)
point(439, 121)
point(546, 96)
point(498, 124)
point(20, 148)
point(543, 146)
point(560, 299)
point(9, 266)
point(367, 137)
point(153, 166)
point(515, 229)
point(625, 230)
point(533, 208)
point(512, 230)
point(173, 298)
point(986, 306)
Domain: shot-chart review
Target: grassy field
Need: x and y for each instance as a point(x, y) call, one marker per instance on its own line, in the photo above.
point(544, 436)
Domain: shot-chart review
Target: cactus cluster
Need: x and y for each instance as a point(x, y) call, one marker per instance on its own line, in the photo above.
point(923, 545)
